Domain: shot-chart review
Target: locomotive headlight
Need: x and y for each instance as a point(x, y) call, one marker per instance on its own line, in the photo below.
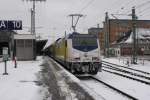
point(76, 56)
point(95, 59)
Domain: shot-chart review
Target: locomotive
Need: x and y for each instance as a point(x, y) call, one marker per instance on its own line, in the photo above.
point(79, 53)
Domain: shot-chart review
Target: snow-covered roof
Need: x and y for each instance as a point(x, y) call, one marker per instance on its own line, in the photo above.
point(141, 33)
point(129, 40)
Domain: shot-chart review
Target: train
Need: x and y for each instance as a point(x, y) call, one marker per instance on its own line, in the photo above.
point(79, 53)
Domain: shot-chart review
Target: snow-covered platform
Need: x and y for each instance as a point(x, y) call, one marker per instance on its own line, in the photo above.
point(65, 86)
point(42, 79)
point(20, 83)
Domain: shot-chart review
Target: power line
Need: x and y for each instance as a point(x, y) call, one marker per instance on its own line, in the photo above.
point(139, 6)
point(118, 2)
point(143, 4)
point(144, 10)
point(122, 7)
point(86, 6)
point(146, 14)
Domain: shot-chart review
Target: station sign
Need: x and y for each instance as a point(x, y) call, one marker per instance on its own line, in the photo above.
point(10, 25)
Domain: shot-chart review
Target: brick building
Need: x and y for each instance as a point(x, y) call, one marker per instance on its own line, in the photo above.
point(117, 28)
point(124, 45)
point(24, 46)
point(98, 32)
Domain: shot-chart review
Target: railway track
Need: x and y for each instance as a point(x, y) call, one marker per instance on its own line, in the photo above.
point(110, 87)
point(134, 74)
point(146, 73)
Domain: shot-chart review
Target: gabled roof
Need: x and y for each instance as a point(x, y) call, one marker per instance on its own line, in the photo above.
point(124, 37)
point(141, 34)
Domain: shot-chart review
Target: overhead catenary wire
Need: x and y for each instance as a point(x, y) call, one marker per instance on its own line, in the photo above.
point(139, 6)
point(119, 8)
point(86, 6)
point(143, 4)
point(145, 14)
point(122, 7)
point(147, 8)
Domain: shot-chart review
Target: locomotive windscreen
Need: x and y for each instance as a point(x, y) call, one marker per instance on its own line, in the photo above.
point(84, 42)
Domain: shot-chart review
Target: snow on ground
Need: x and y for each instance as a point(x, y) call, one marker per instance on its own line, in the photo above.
point(72, 79)
point(136, 89)
point(20, 84)
point(104, 91)
point(143, 64)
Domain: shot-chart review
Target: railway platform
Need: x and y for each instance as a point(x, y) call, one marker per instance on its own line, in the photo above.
point(42, 79)
point(63, 85)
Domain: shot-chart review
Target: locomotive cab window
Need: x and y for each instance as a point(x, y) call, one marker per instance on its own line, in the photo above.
point(85, 43)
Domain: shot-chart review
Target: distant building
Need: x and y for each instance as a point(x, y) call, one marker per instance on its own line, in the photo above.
point(24, 46)
point(124, 45)
point(6, 40)
point(95, 30)
point(98, 32)
point(118, 27)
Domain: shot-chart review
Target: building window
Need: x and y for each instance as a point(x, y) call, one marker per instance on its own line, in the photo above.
point(28, 43)
point(20, 43)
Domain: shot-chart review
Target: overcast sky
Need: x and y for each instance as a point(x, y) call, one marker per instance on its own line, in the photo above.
point(52, 15)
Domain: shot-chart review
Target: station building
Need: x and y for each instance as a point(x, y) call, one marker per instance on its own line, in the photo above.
point(6, 40)
point(21, 46)
point(24, 46)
